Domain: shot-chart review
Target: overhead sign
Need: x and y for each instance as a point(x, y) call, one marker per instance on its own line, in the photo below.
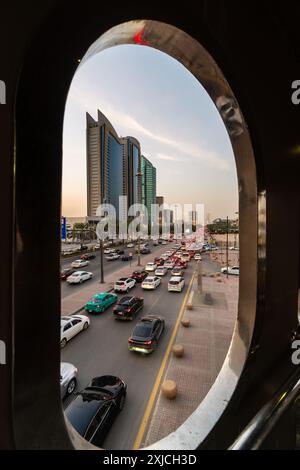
point(63, 228)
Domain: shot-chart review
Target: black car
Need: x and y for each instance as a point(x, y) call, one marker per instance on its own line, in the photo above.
point(94, 409)
point(139, 276)
point(146, 334)
point(87, 256)
point(66, 272)
point(128, 307)
point(145, 251)
point(126, 257)
point(120, 252)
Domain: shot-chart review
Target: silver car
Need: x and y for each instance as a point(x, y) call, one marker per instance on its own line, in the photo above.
point(68, 378)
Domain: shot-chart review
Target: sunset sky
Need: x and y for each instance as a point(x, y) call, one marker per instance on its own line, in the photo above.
point(149, 95)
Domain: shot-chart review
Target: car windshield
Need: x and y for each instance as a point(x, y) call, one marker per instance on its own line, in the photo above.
point(142, 331)
point(120, 283)
point(76, 274)
point(174, 283)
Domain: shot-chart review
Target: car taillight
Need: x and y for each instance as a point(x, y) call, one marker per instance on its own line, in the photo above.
point(128, 310)
point(130, 340)
point(148, 342)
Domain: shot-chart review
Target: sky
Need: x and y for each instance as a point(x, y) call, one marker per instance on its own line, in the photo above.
point(149, 95)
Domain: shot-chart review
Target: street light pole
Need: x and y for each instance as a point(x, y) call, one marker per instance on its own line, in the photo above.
point(138, 174)
point(101, 262)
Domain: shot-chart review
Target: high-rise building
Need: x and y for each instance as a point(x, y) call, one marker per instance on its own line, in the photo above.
point(113, 166)
point(148, 172)
point(160, 200)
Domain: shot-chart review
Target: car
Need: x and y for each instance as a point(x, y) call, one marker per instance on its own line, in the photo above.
point(78, 277)
point(100, 302)
point(235, 270)
point(66, 272)
point(161, 271)
point(108, 251)
point(164, 242)
point(146, 334)
point(128, 307)
point(139, 276)
point(177, 246)
point(185, 257)
point(182, 264)
point(130, 245)
point(124, 284)
point(234, 248)
point(177, 271)
point(79, 263)
point(70, 326)
point(112, 257)
point(145, 251)
point(87, 256)
point(68, 379)
point(120, 251)
point(151, 283)
point(169, 264)
point(155, 243)
point(95, 408)
point(176, 284)
point(150, 266)
point(159, 261)
point(126, 257)
point(197, 257)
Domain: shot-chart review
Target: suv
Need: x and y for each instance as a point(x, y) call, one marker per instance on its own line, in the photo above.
point(124, 284)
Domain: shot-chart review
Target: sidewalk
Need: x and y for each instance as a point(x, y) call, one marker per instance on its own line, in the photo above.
point(206, 344)
point(73, 303)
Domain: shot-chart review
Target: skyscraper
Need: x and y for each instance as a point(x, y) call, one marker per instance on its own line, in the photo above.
point(113, 166)
point(148, 172)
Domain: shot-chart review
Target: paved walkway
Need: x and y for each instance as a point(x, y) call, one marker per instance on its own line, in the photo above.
point(206, 343)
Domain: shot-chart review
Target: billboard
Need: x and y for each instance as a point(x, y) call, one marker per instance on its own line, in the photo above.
point(63, 228)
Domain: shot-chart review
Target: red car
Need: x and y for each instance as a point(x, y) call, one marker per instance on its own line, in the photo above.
point(66, 272)
point(159, 261)
point(87, 256)
point(182, 264)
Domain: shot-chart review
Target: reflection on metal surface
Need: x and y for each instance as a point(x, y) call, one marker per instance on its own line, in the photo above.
point(266, 419)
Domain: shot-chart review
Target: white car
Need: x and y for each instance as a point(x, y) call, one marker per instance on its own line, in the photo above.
point(164, 242)
point(124, 284)
point(112, 256)
point(72, 325)
point(197, 257)
point(79, 263)
point(150, 267)
point(233, 248)
point(79, 277)
point(151, 283)
point(161, 271)
point(176, 284)
point(169, 264)
point(130, 245)
point(107, 251)
point(235, 270)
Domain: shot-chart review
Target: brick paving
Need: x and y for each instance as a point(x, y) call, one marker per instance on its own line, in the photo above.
point(206, 343)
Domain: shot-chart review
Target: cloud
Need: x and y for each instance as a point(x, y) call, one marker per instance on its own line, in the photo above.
point(88, 103)
point(162, 156)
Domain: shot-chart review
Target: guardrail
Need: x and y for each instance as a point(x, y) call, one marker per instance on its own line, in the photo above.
point(266, 419)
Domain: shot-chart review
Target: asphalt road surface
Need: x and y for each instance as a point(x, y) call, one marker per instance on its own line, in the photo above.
point(109, 267)
point(103, 349)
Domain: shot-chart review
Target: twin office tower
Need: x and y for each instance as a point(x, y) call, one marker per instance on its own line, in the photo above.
point(115, 167)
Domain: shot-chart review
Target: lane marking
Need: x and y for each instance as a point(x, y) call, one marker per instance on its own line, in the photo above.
point(151, 401)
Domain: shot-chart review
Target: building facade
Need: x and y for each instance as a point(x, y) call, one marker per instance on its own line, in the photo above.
point(148, 187)
point(113, 166)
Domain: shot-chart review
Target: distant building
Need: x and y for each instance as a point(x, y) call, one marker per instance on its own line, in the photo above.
point(148, 172)
point(113, 166)
point(160, 200)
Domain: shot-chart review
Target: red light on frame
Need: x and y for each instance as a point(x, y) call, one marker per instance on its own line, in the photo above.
point(139, 40)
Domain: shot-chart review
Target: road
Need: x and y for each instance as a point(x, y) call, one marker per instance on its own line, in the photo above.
point(109, 267)
point(102, 349)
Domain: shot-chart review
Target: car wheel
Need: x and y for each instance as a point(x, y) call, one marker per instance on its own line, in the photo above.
point(127, 290)
point(85, 326)
point(71, 387)
point(80, 282)
point(122, 402)
point(63, 343)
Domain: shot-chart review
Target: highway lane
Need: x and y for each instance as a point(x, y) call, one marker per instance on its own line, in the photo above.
point(103, 349)
point(109, 267)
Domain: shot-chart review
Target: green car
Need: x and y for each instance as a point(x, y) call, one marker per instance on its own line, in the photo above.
point(100, 302)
